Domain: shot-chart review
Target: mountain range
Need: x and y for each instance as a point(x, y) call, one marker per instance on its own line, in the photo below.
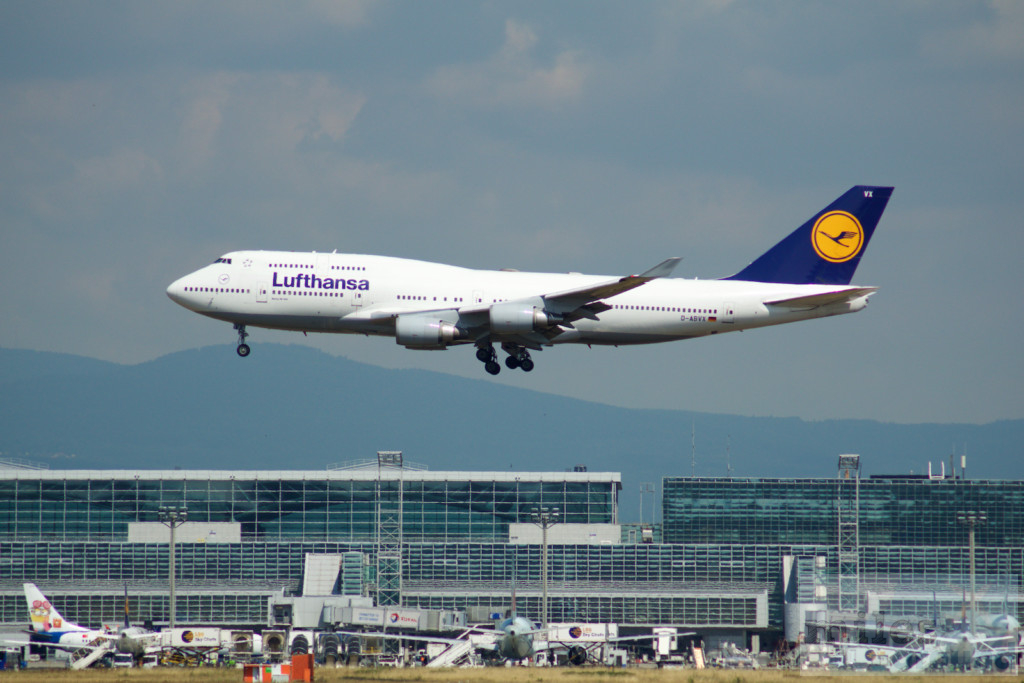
point(293, 407)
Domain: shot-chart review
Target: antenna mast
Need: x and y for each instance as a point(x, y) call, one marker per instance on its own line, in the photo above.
point(728, 462)
point(693, 449)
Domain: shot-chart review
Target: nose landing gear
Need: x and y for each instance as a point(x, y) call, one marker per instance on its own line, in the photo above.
point(243, 348)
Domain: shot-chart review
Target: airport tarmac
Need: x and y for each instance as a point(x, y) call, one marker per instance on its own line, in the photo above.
point(478, 675)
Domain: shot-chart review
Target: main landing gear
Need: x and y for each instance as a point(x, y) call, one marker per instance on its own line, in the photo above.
point(243, 348)
point(486, 355)
point(518, 357)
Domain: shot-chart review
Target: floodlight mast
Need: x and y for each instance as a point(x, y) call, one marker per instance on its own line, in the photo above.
point(172, 517)
point(972, 519)
point(848, 519)
point(545, 518)
point(389, 547)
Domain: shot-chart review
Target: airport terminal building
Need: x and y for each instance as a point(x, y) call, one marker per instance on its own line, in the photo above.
point(733, 558)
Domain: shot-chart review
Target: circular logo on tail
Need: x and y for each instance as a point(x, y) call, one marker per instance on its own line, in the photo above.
point(837, 236)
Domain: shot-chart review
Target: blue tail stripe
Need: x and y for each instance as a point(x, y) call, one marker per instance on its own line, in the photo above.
point(795, 259)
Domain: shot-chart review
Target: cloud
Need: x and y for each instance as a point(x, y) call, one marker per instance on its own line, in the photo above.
point(121, 170)
point(513, 77)
point(996, 35)
point(262, 115)
point(347, 13)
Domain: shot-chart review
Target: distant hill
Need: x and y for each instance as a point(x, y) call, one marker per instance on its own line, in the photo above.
point(292, 407)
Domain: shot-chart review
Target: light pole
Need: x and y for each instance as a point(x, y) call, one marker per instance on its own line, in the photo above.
point(972, 519)
point(172, 517)
point(545, 518)
point(646, 487)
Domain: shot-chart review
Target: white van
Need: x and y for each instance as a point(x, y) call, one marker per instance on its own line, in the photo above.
point(122, 660)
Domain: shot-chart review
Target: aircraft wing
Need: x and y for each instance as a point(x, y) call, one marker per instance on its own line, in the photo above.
point(387, 314)
point(97, 644)
point(824, 299)
point(14, 643)
point(571, 304)
point(569, 300)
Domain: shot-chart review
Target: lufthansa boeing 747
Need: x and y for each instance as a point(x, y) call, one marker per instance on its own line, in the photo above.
point(433, 306)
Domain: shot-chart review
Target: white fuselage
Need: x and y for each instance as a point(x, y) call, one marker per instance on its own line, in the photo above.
point(516, 641)
point(361, 294)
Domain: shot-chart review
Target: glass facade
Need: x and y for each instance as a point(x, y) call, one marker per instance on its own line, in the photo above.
point(893, 511)
point(330, 505)
point(615, 583)
point(719, 566)
point(909, 536)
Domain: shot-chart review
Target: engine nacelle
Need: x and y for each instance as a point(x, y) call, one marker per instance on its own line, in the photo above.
point(577, 655)
point(421, 332)
point(513, 318)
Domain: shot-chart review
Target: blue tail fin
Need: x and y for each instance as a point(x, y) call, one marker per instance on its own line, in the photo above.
point(826, 249)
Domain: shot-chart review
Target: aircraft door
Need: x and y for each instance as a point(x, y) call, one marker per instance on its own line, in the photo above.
point(360, 299)
point(261, 292)
point(728, 312)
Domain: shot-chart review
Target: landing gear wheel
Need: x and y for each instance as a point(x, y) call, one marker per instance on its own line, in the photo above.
point(492, 367)
point(518, 357)
point(243, 348)
point(484, 355)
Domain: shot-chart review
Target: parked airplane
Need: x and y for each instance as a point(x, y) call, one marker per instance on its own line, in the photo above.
point(996, 643)
point(512, 639)
point(50, 628)
point(434, 306)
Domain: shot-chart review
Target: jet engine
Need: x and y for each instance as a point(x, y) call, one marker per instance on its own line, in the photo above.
point(241, 643)
point(274, 643)
point(517, 318)
point(421, 332)
point(300, 645)
point(330, 646)
point(577, 655)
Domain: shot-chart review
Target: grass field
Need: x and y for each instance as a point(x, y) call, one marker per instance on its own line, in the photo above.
point(483, 675)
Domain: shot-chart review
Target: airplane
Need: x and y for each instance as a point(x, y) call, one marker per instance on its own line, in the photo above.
point(51, 629)
point(512, 639)
point(923, 651)
point(995, 643)
point(432, 306)
point(516, 641)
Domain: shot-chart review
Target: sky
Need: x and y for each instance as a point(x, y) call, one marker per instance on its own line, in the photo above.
point(140, 141)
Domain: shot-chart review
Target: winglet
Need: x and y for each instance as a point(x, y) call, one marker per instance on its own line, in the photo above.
point(663, 269)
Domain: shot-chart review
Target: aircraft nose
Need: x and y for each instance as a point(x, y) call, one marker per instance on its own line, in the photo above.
point(176, 291)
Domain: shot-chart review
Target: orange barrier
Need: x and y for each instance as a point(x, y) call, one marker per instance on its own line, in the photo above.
point(300, 669)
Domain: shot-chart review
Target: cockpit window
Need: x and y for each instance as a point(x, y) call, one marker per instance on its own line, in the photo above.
point(223, 260)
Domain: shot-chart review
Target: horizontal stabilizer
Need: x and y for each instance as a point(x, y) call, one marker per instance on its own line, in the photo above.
point(823, 299)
